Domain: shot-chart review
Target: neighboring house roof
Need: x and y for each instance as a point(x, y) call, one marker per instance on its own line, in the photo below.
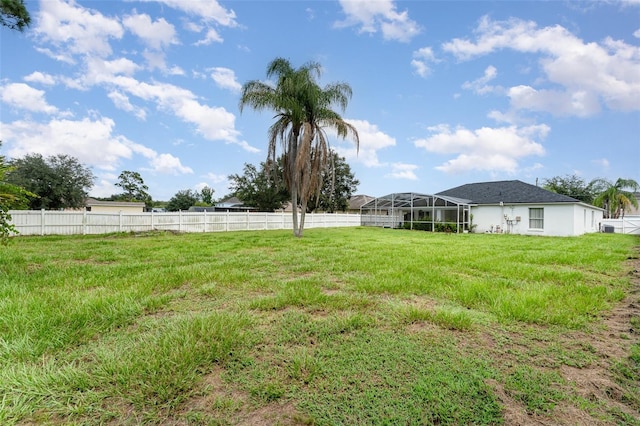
point(506, 191)
point(230, 202)
point(89, 202)
point(357, 201)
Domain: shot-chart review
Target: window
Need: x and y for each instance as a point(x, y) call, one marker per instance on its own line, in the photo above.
point(536, 218)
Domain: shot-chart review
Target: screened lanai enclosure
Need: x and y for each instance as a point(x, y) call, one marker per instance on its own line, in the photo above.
point(410, 210)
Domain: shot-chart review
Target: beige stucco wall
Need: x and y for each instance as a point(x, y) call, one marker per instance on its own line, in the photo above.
point(119, 207)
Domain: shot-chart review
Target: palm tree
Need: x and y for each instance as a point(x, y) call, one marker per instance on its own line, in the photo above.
point(615, 198)
point(303, 110)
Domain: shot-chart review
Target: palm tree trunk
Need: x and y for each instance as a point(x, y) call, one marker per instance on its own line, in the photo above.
point(303, 211)
point(294, 210)
point(294, 178)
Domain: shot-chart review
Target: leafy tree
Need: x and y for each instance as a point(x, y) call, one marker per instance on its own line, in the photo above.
point(573, 186)
point(303, 111)
point(260, 188)
point(206, 195)
point(59, 181)
point(338, 185)
point(14, 14)
point(617, 198)
point(134, 188)
point(11, 197)
point(182, 200)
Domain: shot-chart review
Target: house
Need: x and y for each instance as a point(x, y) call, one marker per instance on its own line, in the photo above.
point(499, 207)
point(520, 208)
point(96, 206)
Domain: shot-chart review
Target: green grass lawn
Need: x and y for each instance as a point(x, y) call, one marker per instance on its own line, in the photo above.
point(344, 326)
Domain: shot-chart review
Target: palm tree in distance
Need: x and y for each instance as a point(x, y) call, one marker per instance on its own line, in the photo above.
point(303, 110)
point(615, 198)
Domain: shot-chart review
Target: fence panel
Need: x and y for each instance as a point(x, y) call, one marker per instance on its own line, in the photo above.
point(30, 222)
point(628, 225)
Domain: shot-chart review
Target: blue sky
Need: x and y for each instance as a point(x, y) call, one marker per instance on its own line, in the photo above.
point(444, 93)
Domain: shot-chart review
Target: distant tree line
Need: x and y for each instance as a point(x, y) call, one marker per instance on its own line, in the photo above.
point(615, 198)
point(264, 187)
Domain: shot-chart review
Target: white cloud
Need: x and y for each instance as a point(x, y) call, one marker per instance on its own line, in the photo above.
point(39, 77)
point(76, 29)
point(636, 33)
point(157, 35)
point(100, 71)
point(79, 139)
point(602, 162)
point(402, 171)
point(212, 36)
point(58, 56)
point(208, 11)
point(247, 147)
point(213, 123)
point(380, 15)
point(105, 185)
point(421, 59)
point(509, 117)
point(225, 78)
point(200, 186)
point(156, 59)
point(192, 26)
point(580, 103)
point(175, 70)
point(371, 141)
point(216, 178)
point(168, 164)
point(485, 149)
point(76, 138)
point(586, 73)
point(122, 102)
point(480, 85)
point(23, 96)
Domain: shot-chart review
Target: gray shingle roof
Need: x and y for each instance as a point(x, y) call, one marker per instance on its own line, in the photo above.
point(507, 191)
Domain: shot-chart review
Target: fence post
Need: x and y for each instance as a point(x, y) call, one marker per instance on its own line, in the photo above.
point(120, 221)
point(179, 220)
point(84, 222)
point(205, 221)
point(41, 221)
point(152, 219)
point(226, 222)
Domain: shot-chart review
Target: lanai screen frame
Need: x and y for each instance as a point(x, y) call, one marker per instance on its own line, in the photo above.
point(390, 211)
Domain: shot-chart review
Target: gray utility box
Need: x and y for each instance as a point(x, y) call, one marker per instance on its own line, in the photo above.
point(607, 229)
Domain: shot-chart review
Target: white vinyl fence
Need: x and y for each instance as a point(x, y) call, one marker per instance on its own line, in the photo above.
point(44, 222)
point(628, 225)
